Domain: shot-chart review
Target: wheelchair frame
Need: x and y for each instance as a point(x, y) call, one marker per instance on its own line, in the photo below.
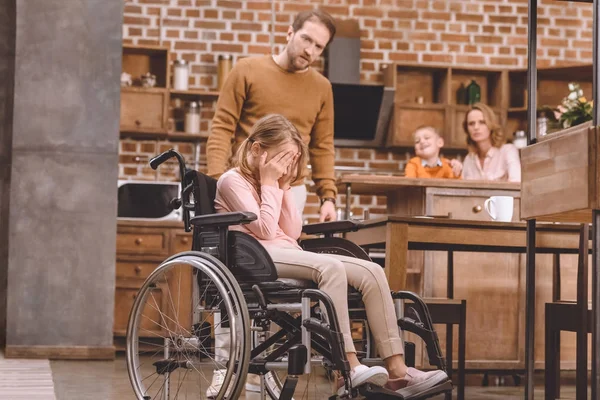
point(246, 288)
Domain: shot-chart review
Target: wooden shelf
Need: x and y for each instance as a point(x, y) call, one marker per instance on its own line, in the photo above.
point(517, 110)
point(134, 133)
point(150, 134)
point(425, 106)
point(140, 89)
point(195, 93)
point(184, 136)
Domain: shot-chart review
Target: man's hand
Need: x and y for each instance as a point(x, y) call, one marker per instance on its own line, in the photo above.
point(327, 212)
point(456, 167)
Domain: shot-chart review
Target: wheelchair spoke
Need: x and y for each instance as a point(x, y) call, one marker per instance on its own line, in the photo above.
point(183, 350)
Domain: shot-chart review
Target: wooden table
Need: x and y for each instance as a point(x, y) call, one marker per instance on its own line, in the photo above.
point(399, 234)
point(414, 196)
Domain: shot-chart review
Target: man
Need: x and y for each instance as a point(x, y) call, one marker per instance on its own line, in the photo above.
point(280, 84)
point(283, 84)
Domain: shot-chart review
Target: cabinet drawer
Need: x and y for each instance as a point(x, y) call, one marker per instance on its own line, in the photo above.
point(135, 269)
point(148, 242)
point(181, 242)
point(466, 207)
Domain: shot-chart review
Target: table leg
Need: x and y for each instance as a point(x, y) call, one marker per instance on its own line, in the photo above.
point(595, 379)
point(348, 207)
point(530, 310)
point(396, 255)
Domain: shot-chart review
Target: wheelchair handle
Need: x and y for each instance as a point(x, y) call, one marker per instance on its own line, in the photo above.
point(155, 162)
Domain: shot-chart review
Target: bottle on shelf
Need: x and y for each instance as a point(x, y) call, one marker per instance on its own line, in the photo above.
point(192, 118)
point(473, 92)
point(224, 66)
point(181, 74)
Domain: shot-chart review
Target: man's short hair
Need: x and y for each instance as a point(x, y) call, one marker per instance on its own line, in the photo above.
point(320, 16)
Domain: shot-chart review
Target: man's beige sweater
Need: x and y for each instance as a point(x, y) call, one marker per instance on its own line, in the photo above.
point(257, 86)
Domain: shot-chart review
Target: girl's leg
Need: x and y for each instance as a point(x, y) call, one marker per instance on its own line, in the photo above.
point(328, 273)
point(369, 279)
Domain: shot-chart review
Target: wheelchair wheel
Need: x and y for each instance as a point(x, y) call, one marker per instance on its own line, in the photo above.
point(321, 383)
point(170, 334)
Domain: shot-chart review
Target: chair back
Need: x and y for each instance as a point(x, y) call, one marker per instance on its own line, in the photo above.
point(245, 257)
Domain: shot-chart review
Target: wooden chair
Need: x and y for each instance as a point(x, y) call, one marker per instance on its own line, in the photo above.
point(571, 316)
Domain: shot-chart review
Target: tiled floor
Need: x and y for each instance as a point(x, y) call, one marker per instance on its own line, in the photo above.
point(107, 380)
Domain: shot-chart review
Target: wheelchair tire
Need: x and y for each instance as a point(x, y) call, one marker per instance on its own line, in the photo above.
point(170, 351)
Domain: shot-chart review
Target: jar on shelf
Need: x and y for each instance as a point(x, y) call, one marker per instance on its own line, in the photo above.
point(181, 73)
point(223, 68)
point(192, 118)
point(520, 140)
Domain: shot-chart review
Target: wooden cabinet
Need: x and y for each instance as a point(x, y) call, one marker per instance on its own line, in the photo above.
point(141, 247)
point(157, 112)
point(431, 95)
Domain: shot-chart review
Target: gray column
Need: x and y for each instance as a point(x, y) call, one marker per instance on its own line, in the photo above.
point(62, 217)
point(7, 72)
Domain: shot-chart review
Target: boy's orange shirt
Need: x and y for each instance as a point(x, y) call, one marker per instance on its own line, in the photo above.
point(416, 169)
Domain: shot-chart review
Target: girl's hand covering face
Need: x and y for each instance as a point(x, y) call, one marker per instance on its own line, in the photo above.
point(278, 166)
point(290, 176)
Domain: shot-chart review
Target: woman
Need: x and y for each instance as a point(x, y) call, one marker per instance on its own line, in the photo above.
point(268, 161)
point(490, 158)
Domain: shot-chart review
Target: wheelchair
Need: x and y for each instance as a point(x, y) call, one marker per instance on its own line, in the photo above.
point(284, 331)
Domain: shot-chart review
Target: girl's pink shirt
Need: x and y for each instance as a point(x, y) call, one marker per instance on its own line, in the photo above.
point(278, 223)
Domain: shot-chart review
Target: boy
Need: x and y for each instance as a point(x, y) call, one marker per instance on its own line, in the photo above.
point(428, 163)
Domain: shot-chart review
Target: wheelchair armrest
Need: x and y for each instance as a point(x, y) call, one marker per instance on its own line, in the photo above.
point(223, 219)
point(325, 228)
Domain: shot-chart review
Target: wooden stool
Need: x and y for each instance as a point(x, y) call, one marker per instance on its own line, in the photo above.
point(452, 312)
point(572, 317)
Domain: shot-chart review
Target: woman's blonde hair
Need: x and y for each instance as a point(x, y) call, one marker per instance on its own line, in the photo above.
point(270, 131)
point(496, 134)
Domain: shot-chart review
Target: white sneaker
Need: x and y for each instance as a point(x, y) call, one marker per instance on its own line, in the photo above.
point(217, 382)
point(253, 383)
point(362, 374)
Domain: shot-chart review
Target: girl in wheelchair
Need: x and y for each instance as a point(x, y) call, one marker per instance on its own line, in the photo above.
point(268, 162)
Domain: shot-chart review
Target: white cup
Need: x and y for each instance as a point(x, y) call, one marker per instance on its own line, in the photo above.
point(500, 208)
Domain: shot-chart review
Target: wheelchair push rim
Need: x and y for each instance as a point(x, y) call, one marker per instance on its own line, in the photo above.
point(175, 359)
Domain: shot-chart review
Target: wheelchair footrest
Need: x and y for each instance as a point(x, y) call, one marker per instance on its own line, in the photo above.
point(380, 393)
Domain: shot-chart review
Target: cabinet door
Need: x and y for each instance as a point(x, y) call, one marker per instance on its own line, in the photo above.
point(409, 117)
point(143, 109)
point(124, 298)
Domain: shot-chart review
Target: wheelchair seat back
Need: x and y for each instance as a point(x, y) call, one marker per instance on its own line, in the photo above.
point(245, 257)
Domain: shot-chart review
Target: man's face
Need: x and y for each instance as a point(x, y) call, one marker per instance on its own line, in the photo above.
point(306, 45)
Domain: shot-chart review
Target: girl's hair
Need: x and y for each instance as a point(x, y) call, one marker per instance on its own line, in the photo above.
point(496, 134)
point(270, 131)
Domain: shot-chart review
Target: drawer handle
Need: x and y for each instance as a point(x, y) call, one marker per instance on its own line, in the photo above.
point(477, 209)
point(138, 123)
point(184, 240)
point(138, 241)
point(137, 269)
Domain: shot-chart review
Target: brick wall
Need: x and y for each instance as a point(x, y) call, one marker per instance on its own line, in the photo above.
point(455, 32)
